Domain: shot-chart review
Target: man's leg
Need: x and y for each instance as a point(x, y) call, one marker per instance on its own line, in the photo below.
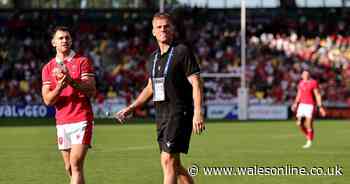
point(310, 132)
point(301, 124)
point(169, 164)
point(77, 157)
point(182, 174)
point(65, 156)
point(173, 170)
point(299, 121)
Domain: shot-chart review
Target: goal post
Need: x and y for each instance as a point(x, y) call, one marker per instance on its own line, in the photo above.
point(243, 94)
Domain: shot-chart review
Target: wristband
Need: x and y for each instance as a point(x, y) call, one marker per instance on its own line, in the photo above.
point(132, 106)
point(74, 84)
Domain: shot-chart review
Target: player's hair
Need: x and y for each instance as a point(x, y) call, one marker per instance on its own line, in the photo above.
point(311, 73)
point(162, 15)
point(306, 70)
point(59, 28)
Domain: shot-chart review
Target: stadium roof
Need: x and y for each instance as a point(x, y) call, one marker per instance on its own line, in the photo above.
point(154, 3)
point(264, 3)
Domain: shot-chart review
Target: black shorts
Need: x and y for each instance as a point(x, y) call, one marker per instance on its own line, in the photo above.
point(174, 131)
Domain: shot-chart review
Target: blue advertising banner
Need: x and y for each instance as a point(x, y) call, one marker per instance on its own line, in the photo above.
point(26, 111)
point(222, 111)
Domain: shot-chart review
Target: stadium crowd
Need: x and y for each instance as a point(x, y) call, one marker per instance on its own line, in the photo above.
point(119, 51)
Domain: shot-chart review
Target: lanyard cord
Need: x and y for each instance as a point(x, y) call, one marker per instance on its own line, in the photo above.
point(167, 63)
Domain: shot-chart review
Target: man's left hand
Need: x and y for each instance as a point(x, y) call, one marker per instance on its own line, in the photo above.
point(322, 111)
point(198, 123)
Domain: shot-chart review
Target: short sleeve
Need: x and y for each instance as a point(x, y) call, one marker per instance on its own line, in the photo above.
point(45, 76)
point(299, 85)
point(190, 64)
point(149, 65)
point(87, 69)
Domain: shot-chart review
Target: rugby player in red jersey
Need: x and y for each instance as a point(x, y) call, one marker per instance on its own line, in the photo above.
point(307, 98)
point(67, 84)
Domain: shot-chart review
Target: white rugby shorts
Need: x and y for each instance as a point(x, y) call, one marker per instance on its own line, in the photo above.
point(74, 133)
point(305, 110)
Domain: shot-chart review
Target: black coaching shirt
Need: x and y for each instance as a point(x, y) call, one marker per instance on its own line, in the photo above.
point(178, 90)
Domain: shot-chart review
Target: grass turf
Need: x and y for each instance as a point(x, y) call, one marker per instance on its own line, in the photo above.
point(129, 153)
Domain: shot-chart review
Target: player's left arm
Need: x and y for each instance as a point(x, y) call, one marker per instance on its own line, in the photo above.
point(87, 85)
point(192, 71)
point(87, 82)
point(319, 102)
point(197, 93)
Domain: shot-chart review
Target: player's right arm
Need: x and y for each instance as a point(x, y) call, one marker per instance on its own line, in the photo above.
point(50, 96)
point(140, 100)
point(296, 101)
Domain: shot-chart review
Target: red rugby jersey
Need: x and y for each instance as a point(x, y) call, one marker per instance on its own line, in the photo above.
point(306, 90)
point(72, 105)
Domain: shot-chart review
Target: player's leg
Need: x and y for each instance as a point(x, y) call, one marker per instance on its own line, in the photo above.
point(299, 115)
point(81, 140)
point(64, 145)
point(301, 124)
point(169, 164)
point(299, 121)
point(309, 125)
point(182, 174)
point(66, 155)
point(310, 132)
point(77, 158)
point(304, 112)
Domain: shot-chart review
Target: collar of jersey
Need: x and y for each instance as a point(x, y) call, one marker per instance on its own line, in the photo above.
point(172, 44)
point(69, 57)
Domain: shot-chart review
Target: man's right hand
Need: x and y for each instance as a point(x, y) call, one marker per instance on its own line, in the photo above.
point(122, 115)
point(61, 83)
point(294, 107)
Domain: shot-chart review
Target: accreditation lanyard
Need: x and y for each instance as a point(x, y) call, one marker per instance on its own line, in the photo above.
point(158, 82)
